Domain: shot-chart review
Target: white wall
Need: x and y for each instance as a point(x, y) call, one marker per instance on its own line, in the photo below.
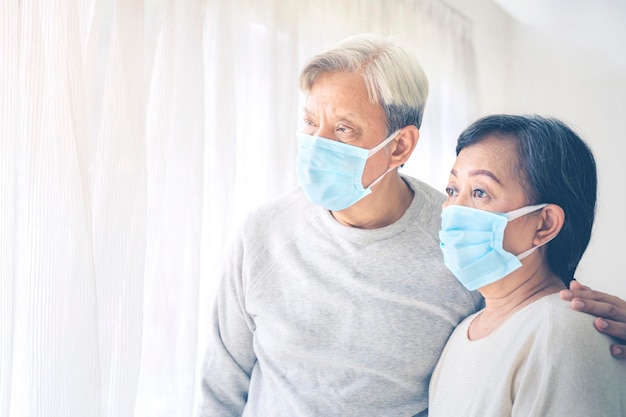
point(573, 69)
point(587, 91)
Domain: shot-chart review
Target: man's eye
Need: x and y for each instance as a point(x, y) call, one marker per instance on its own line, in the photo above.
point(450, 191)
point(478, 193)
point(308, 127)
point(344, 129)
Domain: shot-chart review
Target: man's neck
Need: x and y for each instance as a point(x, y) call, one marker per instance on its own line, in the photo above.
point(387, 203)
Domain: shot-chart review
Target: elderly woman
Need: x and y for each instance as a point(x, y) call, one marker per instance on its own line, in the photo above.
point(518, 217)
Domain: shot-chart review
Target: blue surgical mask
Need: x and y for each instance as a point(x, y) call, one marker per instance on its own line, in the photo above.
point(471, 242)
point(330, 172)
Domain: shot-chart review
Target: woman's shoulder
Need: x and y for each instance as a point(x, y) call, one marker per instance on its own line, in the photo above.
point(572, 332)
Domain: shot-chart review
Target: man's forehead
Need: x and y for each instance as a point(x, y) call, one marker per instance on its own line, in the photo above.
point(347, 106)
point(337, 111)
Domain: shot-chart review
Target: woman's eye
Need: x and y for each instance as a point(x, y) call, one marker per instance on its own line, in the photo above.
point(450, 191)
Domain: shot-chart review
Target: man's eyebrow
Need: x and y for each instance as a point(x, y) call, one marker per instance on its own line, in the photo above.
point(349, 117)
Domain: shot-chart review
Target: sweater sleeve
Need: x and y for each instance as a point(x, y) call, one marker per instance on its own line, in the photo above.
point(570, 372)
point(230, 356)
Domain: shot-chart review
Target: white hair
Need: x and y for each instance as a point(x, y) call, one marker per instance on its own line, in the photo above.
point(393, 76)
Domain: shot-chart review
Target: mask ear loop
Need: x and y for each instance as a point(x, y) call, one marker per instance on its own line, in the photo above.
point(378, 148)
point(380, 178)
point(512, 215)
point(534, 248)
point(381, 144)
point(522, 211)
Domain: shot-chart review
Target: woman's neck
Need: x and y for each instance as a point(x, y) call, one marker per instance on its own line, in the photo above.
point(507, 296)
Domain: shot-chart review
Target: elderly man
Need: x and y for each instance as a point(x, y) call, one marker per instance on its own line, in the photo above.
point(335, 300)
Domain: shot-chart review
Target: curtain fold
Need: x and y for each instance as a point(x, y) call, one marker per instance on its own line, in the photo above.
point(134, 137)
point(48, 337)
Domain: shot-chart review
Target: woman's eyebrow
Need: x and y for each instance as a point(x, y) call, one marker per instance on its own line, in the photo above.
point(484, 172)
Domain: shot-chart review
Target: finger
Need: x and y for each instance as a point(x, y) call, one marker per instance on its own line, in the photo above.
point(607, 310)
point(576, 285)
point(576, 289)
point(566, 295)
point(589, 296)
point(618, 351)
point(612, 328)
point(572, 293)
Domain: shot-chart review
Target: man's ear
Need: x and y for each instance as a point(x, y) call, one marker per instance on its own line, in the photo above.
point(550, 224)
point(405, 143)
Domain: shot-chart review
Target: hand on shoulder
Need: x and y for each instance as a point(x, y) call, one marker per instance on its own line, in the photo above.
point(609, 310)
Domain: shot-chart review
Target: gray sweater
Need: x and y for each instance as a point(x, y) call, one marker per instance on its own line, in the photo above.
point(314, 318)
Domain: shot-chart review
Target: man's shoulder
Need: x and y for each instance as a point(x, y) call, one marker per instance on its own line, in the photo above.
point(425, 191)
point(283, 212)
point(426, 206)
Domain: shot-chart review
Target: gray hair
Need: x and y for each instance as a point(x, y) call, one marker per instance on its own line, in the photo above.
point(393, 76)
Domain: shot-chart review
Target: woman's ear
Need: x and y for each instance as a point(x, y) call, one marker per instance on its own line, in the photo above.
point(405, 142)
point(550, 224)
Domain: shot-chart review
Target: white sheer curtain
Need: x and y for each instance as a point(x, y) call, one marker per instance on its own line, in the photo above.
point(134, 135)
